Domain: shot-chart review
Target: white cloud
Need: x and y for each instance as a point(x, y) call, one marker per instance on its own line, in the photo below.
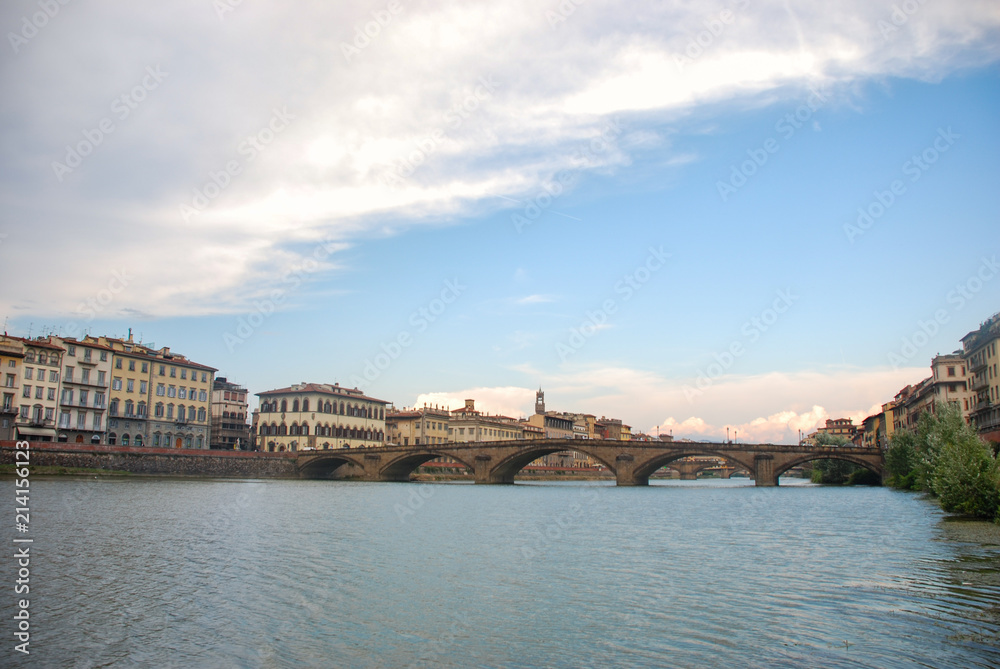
point(323, 176)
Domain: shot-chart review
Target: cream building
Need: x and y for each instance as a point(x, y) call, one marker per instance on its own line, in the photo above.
point(319, 416)
point(83, 399)
point(467, 424)
point(11, 362)
point(979, 349)
point(41, 374)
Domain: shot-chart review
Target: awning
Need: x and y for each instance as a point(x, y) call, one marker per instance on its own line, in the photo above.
point(36, 431)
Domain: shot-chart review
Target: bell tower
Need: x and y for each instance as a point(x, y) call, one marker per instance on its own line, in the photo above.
point(540, 402)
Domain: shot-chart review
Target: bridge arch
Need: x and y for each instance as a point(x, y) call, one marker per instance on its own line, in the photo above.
point(324, 465)
point(646, 469)
point(845, 457)
point(400, 468)
point(506, 469)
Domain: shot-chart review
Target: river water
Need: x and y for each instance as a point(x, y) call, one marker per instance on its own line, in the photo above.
point(221, 573)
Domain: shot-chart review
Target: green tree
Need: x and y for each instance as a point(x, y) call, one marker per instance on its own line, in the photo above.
point(901, 460)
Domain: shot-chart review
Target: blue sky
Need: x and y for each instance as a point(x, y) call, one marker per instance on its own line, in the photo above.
point(636, 273)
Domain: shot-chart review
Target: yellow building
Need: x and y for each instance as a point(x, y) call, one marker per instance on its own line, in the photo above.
point(157, 398)
point(418, 427)
point(319, 416)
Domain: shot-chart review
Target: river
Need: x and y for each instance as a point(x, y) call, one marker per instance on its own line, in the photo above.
point(224, 573)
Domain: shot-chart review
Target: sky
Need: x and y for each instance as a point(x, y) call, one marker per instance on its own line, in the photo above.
point(690, 216)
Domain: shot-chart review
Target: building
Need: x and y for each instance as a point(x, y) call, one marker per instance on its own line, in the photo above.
point(418, 427)
point(229, 409)
point(468, 424)
point(40, 378)
point(11, 361)
point(83, 400)
point(610, 428)
point(319, 416)
point(979, 350)
point(838, 427)
point(947, 384)
point(876, 430)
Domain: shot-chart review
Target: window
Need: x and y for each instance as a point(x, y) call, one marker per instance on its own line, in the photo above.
point(129, 409)
point(181, 412)
point(101, 378)
point(173, 371)
point(201, 414)
point(158, 410)
point(29, 373)
point(86, 355)
point(84, 375)
point(118, 363)
point(125, 439)
point(163, 370)
point(53, 376)
point(67, 396)
point(69, 374)
point(38, 392)
point(52, 394)
point(84, 396)
point(156, 439)
point(49, 414)
point(99, 400)
point(184, 373)
point(81, 420)
point(951, 371)
point(172, 391)
point(161, 389)
point(116, 383)
point(182, 393)
point(113, 407)
point(97, 421)
point(64, 420)
point(10, 381)
point(170, 411)
point(131, 365)
point(130, 385)
point(143, 387)
point(202, 396)
point(29, 356)
point(112, 438)
point(145, 368)
point(72, 350)
point(140, 410)
point(204, 377)
point(24, 412)
point(104, 356)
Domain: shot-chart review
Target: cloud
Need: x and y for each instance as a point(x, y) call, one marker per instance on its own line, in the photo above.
point(508, 401)
point(535, 299)
point(765, 408)
point(463, 103)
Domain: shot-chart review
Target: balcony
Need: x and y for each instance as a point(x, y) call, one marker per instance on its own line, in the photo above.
point(41, 422)
point(979, 382)
point(90, 383)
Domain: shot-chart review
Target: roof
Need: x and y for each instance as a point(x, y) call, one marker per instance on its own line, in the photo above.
point(323, 389)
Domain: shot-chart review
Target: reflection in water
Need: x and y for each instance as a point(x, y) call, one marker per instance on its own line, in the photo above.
point(683, 573)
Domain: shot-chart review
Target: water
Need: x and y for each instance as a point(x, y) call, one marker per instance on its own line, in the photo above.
point(198, 573)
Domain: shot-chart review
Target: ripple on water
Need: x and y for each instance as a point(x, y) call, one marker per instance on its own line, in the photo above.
point(303, 573)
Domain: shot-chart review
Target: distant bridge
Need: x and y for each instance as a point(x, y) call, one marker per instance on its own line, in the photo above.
point(632, 462)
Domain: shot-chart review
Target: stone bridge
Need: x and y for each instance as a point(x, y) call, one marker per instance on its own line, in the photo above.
point(632, 462)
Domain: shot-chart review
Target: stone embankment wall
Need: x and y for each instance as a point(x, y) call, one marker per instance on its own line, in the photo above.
point(158, 461)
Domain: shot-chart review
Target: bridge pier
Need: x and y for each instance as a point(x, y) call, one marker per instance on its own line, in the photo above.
point(625, 474)
point(763, 473)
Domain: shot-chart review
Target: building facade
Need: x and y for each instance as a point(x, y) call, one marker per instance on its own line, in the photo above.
point(319, 416)
point(229, 407)
point(418, 427)
point(979, 349)
point(83, 399)
point(468, 424)
point(11, 362)
point(41, 375)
